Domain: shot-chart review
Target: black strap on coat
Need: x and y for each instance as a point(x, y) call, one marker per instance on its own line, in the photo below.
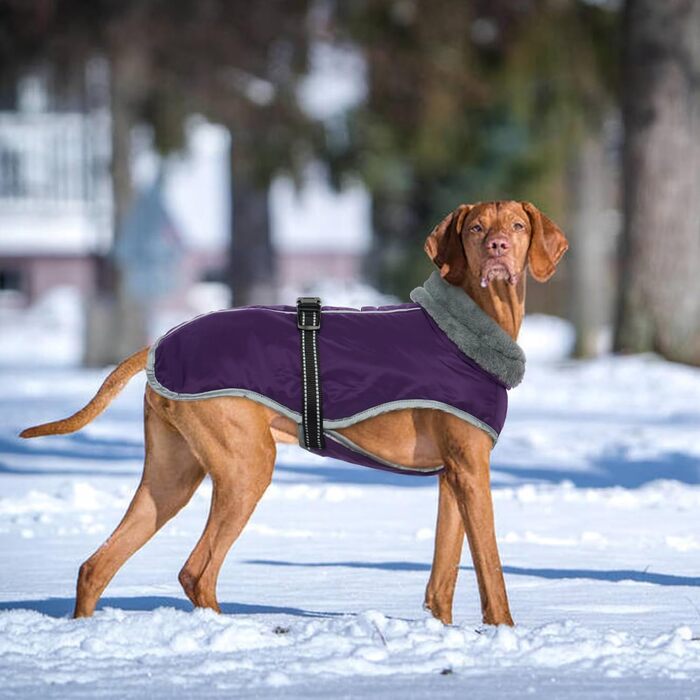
point(309, 324)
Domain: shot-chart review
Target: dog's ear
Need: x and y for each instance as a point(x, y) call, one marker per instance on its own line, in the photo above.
point(547, 244)
point(444, 245)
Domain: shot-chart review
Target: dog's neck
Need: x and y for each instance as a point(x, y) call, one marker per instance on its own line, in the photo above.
point(503, 302)
point(475, 328)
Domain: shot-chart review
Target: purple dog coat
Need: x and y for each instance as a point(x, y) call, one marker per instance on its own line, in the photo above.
point(372, 360)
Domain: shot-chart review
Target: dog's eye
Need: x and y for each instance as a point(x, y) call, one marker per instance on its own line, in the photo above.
point(518, 226)
point(476, 228)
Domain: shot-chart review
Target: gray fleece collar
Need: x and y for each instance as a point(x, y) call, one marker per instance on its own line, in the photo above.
point(472, 330)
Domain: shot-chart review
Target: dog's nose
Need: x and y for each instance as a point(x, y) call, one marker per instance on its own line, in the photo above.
point(498, 245)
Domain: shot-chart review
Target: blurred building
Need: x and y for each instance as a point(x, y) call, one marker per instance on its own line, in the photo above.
point(55, 195)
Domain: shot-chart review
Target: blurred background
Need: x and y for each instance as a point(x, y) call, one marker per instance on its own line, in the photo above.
point(163, 158)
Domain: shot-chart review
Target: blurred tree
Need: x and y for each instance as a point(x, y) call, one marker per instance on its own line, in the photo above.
point(469, 101)
point(659, 304)
point(562, 74)
point(238, 63)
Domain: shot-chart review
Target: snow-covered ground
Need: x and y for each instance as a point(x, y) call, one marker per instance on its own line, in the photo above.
point(596, 487)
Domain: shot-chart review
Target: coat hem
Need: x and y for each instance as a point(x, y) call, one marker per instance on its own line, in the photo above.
point(394, 466)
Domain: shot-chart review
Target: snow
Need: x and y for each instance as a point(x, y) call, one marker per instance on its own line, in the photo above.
point(48, 333)
point(596, 485)
point(353, 294)
point(546, 338)
point(193, 649)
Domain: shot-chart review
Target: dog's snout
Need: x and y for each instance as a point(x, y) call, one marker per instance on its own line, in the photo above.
point(497, 245)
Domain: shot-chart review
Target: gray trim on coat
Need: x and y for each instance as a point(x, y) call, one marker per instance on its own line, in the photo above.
point(471, 329)
point(410, 403)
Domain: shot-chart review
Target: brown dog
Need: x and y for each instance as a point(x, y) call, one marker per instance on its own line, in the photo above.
point(484, 249)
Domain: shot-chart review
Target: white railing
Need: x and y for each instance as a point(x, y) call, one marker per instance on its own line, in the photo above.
point(56, 164)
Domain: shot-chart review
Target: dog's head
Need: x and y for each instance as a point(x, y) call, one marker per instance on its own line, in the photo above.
point(495, 241)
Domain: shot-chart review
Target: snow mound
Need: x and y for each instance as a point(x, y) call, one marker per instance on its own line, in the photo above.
point(338, 293)
point(48, 334)
point(546, 338)
point(78, 496)
point(654, 494)
point(261, 652)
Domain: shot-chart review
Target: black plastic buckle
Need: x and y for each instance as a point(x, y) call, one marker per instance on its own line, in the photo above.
point(312, 306)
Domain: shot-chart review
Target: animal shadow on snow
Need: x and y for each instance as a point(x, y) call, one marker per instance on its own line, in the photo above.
point(63, 607)
point(614, 468)
point(610, 575)
point(120, 456)
point(611, 469)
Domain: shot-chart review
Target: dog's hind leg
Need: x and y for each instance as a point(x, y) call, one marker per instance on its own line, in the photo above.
point(171, 475)
point(449, 539)
point(234, 441)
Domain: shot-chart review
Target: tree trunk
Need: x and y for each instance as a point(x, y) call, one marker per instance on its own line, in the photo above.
point(659, 304)
point(401, 222)
point(252, 268)
point(590, 253)
point(116, 323)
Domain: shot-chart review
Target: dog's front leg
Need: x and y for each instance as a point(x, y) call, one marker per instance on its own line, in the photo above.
point(449, 539)
point(466, 455)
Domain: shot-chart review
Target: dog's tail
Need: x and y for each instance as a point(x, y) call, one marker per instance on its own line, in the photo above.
point(111, 386)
